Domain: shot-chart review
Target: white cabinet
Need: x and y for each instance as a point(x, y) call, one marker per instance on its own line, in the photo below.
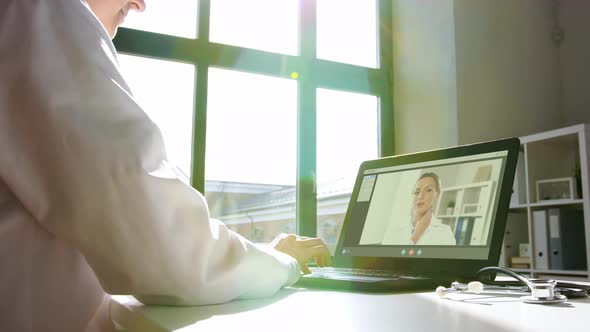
point(544, 202)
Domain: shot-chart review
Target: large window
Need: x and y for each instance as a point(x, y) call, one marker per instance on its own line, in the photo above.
point(267, 106)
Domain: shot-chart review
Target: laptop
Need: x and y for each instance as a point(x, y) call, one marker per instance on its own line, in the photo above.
point(425, 219)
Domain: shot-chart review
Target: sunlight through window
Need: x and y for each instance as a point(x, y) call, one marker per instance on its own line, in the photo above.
point(347, 31)
point(251, 153)
point(267, 25)
point(164, 89)
point(176, 18)
point(347, 134)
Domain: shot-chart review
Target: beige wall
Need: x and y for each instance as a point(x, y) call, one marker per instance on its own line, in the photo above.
point(424, 75)
point(474, 70)
point(574, 16)
point(506, 69)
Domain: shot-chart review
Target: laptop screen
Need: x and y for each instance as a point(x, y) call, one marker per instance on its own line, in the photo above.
point(435, 209)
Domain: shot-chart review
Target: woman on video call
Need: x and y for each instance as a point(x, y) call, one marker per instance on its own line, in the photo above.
point(423, 228)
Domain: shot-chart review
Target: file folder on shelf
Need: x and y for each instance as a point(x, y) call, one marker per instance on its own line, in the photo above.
point(541, 256)
point(555, 242)
point(567, 245)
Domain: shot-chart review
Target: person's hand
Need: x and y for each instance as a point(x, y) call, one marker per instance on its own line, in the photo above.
point(303, 249)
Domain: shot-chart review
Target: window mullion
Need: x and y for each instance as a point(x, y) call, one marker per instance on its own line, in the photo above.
point(306, 203)
point(386, 118)
point(200, 100)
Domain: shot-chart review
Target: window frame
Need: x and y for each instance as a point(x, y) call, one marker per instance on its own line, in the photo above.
point(313, 73)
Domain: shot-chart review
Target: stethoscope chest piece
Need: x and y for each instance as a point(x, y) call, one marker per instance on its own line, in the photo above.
point(539, 300)
point(543, 293)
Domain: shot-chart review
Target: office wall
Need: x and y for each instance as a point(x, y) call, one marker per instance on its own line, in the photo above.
point(474, 70)
point(507, 74)
point(574, 17)
point(424, 75)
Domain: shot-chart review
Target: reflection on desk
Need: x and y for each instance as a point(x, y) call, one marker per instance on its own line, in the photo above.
point(315, 310)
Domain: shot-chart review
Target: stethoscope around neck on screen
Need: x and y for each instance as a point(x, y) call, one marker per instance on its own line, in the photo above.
point(535, 292)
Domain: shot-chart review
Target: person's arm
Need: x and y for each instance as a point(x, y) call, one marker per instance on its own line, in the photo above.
point(89, 166)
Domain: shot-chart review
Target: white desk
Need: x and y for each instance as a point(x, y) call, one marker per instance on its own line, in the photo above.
point(313, 310)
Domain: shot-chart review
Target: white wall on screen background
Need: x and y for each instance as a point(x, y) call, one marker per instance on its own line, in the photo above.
point(391, 203)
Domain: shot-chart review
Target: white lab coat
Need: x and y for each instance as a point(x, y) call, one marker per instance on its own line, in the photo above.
point(86, 203)
point(437, 233)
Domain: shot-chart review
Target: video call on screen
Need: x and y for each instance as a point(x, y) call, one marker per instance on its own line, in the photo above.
point(455, 199)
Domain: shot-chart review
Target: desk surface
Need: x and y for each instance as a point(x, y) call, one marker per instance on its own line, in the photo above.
point(314, 310)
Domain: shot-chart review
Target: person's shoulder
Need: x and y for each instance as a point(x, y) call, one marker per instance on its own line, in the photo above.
point(397, 234)
point(83, 22)
point(439, 235)
point(70, 28)
point(59, 23)
point(398, 230)
point(442, 231)
point(437, 223)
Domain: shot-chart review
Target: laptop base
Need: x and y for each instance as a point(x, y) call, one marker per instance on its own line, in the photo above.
point(370, 284)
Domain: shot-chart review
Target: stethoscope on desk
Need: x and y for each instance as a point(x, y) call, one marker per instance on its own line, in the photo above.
point(534, 291)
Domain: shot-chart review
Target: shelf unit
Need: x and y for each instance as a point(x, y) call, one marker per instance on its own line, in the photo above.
point(549, 155)
point(468, 201)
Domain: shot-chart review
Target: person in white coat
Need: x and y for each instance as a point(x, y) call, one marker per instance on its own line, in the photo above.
point(88, 204)
point(423, 228)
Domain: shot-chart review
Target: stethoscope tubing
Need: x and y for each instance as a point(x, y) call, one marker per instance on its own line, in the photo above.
point(493, 289)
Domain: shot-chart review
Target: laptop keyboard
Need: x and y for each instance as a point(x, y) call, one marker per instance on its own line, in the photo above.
point(331, 271)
